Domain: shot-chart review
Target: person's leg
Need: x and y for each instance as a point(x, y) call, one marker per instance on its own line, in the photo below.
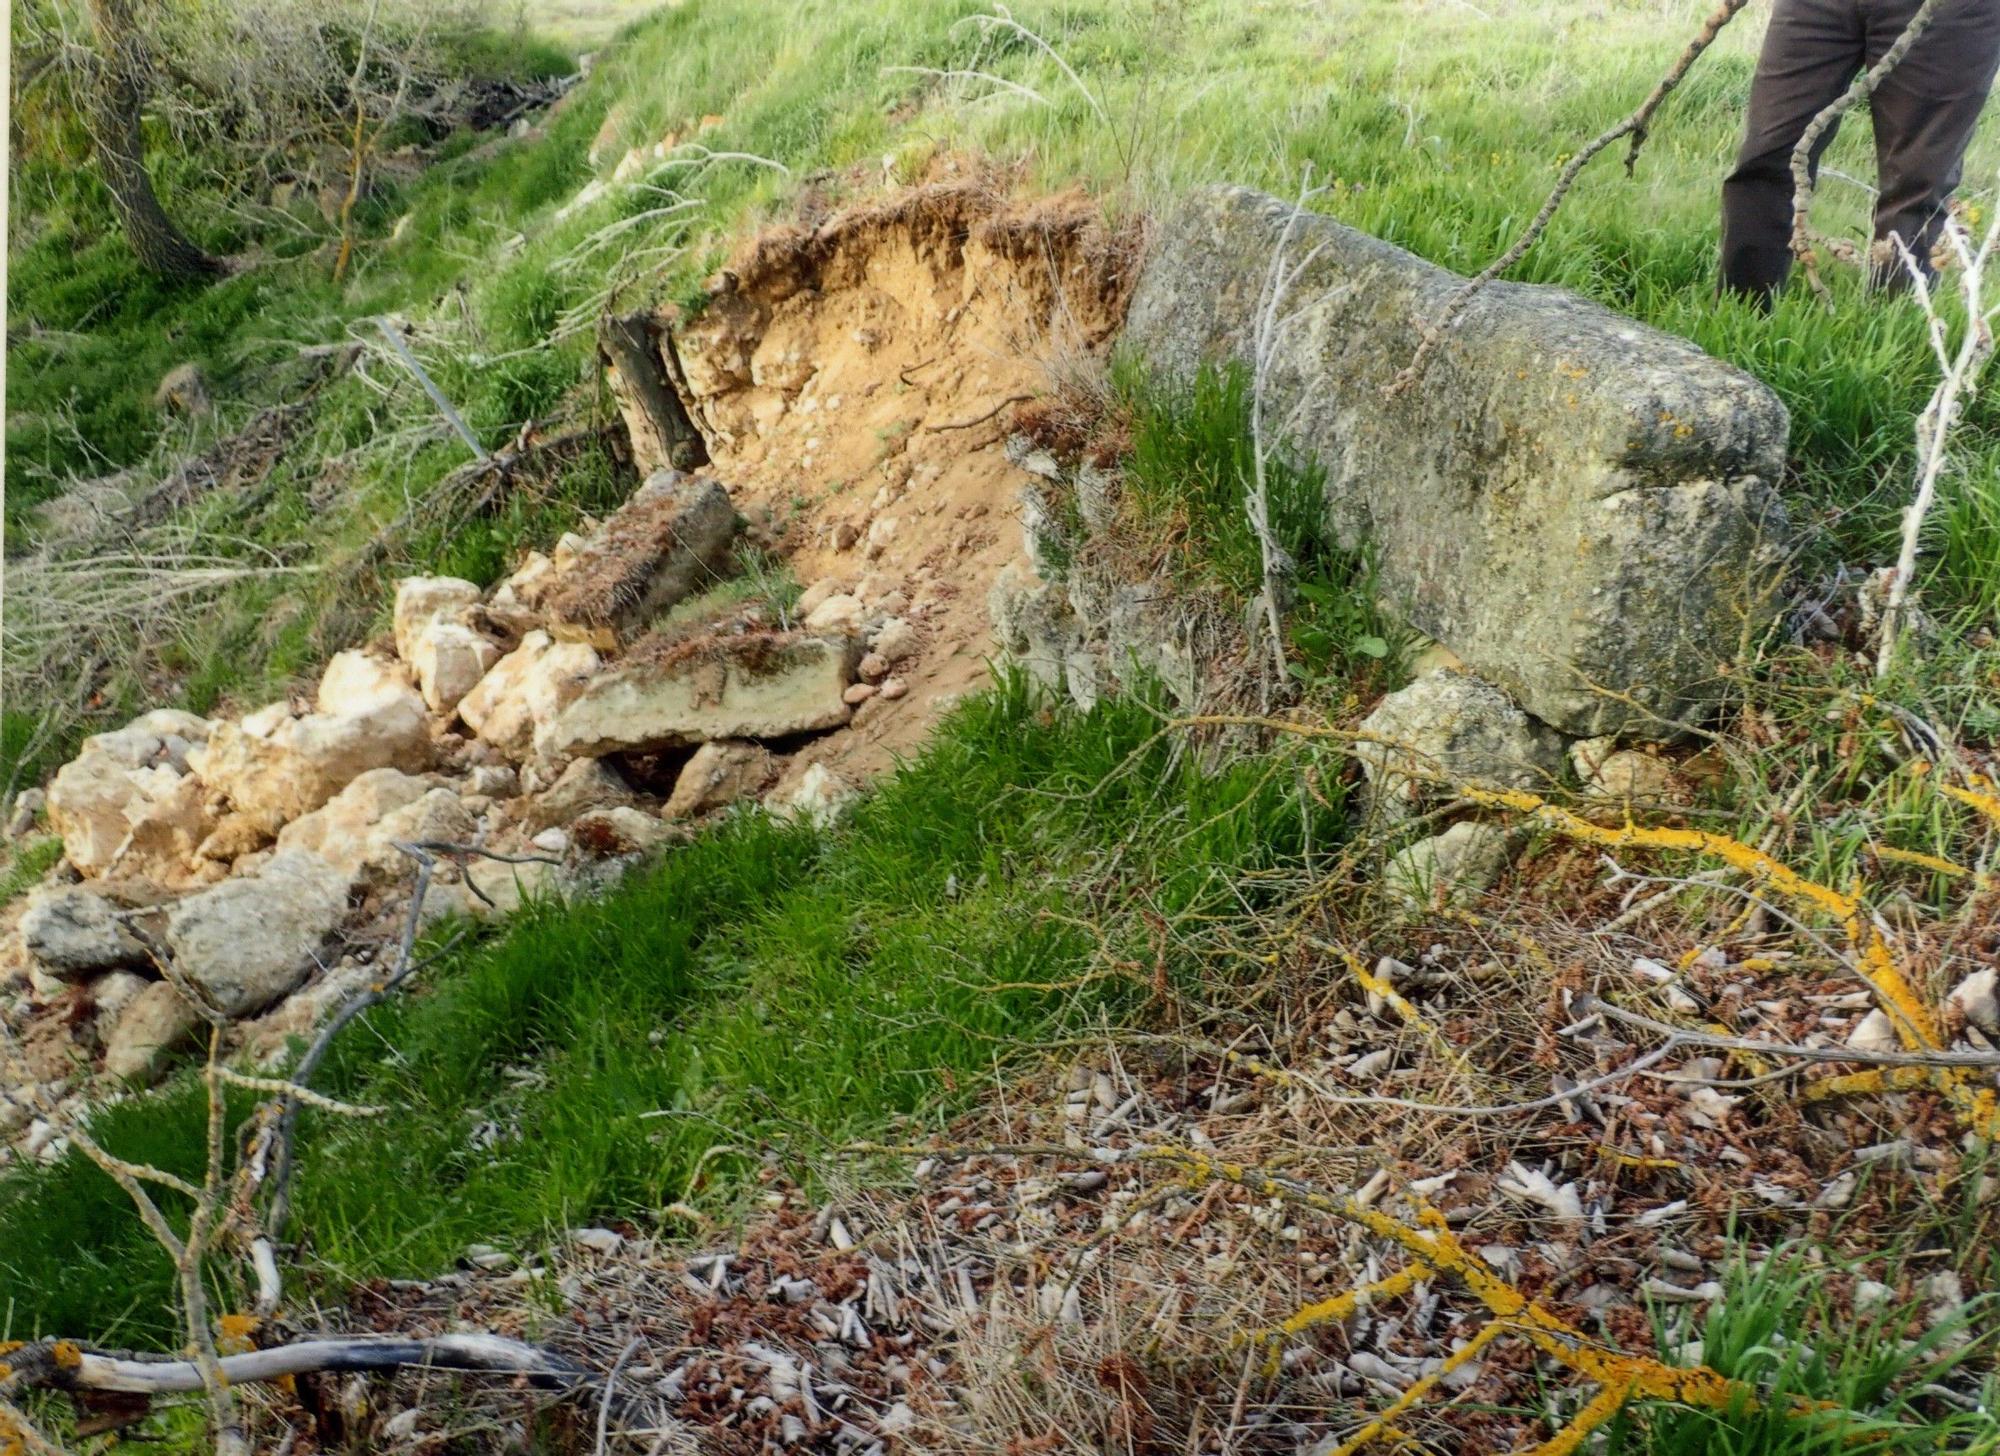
point(1811, 52)
point(1924, 111)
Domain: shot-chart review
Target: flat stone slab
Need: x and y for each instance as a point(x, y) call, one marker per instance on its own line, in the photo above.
point(1581, 507)
point(753, 685)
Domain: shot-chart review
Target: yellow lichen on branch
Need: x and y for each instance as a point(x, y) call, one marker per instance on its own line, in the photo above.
point(1916, 1026)
point(1435, 1246)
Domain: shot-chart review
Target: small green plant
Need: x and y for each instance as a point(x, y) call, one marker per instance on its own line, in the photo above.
point(30, 862)
point(1833, 1379)
point(1188, 474)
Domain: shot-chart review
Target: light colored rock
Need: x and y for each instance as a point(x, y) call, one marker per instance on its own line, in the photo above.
point(157, 1023)
point(1628, 776)
point(584, 785)
point(754, 686)
point(1875, 1032)
point(423, 600)
point(1448, 728)
point(493, 781)
point(248, 941)
point(355, 681)
point(159, 739)
point(811, 598)
point(74, 932)
point(267, 1039)
point(28, 806)
point(894, 688)
point(357, 830)
point(720, 773)
point(1567, 499)
point(529, 584)
point(450, 659)
point(812, 792)
point(236, 835)
point(620, 829)
point(146, 820)
point(1453, 868)
point(515, 706)
point(873, 667)
point(858, 693)
point(838, 613)
point(303, 762)
point(1977, 999)
point(112, 992)
point(897, 641)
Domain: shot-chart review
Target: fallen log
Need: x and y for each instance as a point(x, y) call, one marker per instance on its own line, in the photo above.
point(68, 1365)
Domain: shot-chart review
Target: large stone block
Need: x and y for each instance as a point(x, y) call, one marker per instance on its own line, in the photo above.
point(1580, 507)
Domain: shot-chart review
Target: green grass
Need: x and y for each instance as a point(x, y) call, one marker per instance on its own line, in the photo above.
point(766, 990)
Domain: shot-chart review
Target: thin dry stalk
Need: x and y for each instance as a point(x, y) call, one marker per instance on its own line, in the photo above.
point(1960, 368)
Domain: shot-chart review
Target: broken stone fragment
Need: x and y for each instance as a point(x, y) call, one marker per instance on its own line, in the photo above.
point(896, 641)
point(719, 774)
point(73, 932)
point(839, 612)
point(450, 659)
point(250, 940)
point(127, 801)
point(155, 1024)
point(529, 584)
point(357, 830)
point(300, 763)
point(517, 703)
point(1977, 999)
point(1449, 729)
point(619, 829)
point(1875, 1032)
point(355, 681)
point(1452, 868)
point(811, 792)
point(584, 785)
point(757, 685)
point(670, 541)
point(424, 600)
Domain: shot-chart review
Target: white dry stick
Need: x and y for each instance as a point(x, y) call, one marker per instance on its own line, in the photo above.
point(1960, 367)
point(1271, 327)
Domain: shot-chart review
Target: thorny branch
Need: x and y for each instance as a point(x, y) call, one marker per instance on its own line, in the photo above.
point(1633, 126)
point(1829, 116)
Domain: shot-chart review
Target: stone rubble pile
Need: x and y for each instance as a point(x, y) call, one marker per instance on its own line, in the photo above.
point(553, 716)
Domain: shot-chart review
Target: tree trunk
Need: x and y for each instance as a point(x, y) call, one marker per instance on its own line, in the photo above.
point(118, 98)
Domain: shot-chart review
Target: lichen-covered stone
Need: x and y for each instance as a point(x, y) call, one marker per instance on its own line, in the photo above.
point(1446, 730)
point(250, 940)
point(74, 932)
point(1452, 868)
point(1568, 500)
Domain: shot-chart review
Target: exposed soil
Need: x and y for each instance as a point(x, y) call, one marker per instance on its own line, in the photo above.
point(856, 381)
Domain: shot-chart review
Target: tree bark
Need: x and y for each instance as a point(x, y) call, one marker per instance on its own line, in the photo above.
point(655, 419)
point(118, 98)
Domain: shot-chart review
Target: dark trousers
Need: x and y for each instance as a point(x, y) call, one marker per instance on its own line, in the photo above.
point(1924, 113)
